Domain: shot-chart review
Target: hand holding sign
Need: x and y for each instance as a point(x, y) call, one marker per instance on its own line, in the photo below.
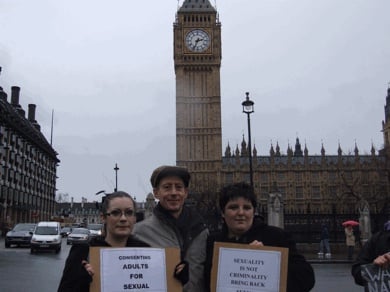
point(383, 260)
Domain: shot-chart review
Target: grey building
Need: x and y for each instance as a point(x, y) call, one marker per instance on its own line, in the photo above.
point(28, 164)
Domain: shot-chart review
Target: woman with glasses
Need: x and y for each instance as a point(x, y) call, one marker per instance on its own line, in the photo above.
point(118, 217)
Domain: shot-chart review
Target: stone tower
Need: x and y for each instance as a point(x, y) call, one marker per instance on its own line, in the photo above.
point(386, 122)
point(197, 58)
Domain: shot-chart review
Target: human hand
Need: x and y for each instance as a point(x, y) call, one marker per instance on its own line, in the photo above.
point(182, 272)
point(88, 267)
point(256, 243)
point(383, 260)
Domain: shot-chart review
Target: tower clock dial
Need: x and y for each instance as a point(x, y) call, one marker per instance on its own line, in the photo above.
point(197, 40)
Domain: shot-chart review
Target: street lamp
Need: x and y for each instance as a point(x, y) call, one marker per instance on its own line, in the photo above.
point(97, 203)
point(116, 168)
point(248, 108)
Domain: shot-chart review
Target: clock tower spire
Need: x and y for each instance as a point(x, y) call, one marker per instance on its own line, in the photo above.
point(197, 58)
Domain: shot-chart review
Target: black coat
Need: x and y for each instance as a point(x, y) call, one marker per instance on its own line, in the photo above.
point(377, 245)
point(300, 275)
point(75, 277)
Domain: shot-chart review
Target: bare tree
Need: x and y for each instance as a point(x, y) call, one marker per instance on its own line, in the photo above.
point(62, 198)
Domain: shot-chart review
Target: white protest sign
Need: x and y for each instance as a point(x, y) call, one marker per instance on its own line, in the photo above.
point(246, 268)
point(135, 269)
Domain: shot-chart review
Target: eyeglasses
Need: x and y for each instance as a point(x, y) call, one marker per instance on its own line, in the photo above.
point(118, 213)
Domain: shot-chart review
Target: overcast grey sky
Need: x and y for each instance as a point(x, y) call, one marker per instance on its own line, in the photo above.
point(318, 70)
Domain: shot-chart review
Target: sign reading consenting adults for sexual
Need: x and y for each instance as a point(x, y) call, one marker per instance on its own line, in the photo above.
point(242, 267)
point(134, 269)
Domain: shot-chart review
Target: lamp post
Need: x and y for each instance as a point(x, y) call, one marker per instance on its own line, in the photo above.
point(248, 108)
point(116, 168)
point(98, 206)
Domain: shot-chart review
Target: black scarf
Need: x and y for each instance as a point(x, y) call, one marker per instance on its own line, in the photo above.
point(187, 226)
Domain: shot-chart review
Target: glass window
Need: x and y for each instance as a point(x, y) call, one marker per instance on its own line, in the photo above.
point(316, 192)
point(299, 192)
point(332, 176)
point(229, 178)
point(264, 191)
point(315, 175)
point(264, 177)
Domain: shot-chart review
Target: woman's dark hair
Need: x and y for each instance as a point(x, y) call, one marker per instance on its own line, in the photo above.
point(109, 197)
point(234, 191)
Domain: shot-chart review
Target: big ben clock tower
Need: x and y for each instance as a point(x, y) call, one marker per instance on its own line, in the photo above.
point(197, 56)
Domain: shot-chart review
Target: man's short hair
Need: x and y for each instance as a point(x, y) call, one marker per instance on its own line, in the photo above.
point(164, 171)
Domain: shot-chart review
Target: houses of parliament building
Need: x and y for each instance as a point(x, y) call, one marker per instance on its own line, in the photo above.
point(308, 183)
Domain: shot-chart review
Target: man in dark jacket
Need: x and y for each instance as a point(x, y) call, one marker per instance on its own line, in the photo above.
point(172, 224)
point(324, 243)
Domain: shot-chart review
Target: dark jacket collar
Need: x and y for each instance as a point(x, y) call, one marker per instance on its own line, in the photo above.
point(189, 224)
point(248, 236)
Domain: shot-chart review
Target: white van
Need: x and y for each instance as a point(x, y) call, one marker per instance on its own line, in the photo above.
point(46, 236)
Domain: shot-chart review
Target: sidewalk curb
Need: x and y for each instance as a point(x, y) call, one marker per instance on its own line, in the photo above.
point(330, 261)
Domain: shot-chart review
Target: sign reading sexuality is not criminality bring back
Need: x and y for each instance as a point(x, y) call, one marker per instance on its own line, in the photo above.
point(243, 267)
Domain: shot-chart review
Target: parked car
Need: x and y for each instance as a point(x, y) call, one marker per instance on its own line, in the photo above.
point(20, 234)
point(95, 229)
point(78, 235)
point(65, 231)
point(46, 236)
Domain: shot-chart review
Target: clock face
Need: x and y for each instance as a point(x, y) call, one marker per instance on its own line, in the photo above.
point(197, 40)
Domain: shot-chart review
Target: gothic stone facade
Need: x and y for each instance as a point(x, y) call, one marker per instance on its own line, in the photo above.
point(308, 183)
point(197, 57)
point(312, 183)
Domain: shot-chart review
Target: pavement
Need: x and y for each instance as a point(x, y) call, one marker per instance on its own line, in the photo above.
point(337, 258)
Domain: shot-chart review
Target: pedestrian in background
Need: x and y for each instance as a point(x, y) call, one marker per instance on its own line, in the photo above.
point(350, 241)
point(324, 243)
point(173, 224)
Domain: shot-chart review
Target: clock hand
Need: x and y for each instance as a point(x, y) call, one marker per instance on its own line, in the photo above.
point(196, 42)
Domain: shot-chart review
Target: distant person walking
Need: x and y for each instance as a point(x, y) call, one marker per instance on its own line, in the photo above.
point(349, 240)
point(324, 243)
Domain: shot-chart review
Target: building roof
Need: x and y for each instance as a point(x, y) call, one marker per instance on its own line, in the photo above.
point(197, 6)
point(14, 117)
point(314, 159)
